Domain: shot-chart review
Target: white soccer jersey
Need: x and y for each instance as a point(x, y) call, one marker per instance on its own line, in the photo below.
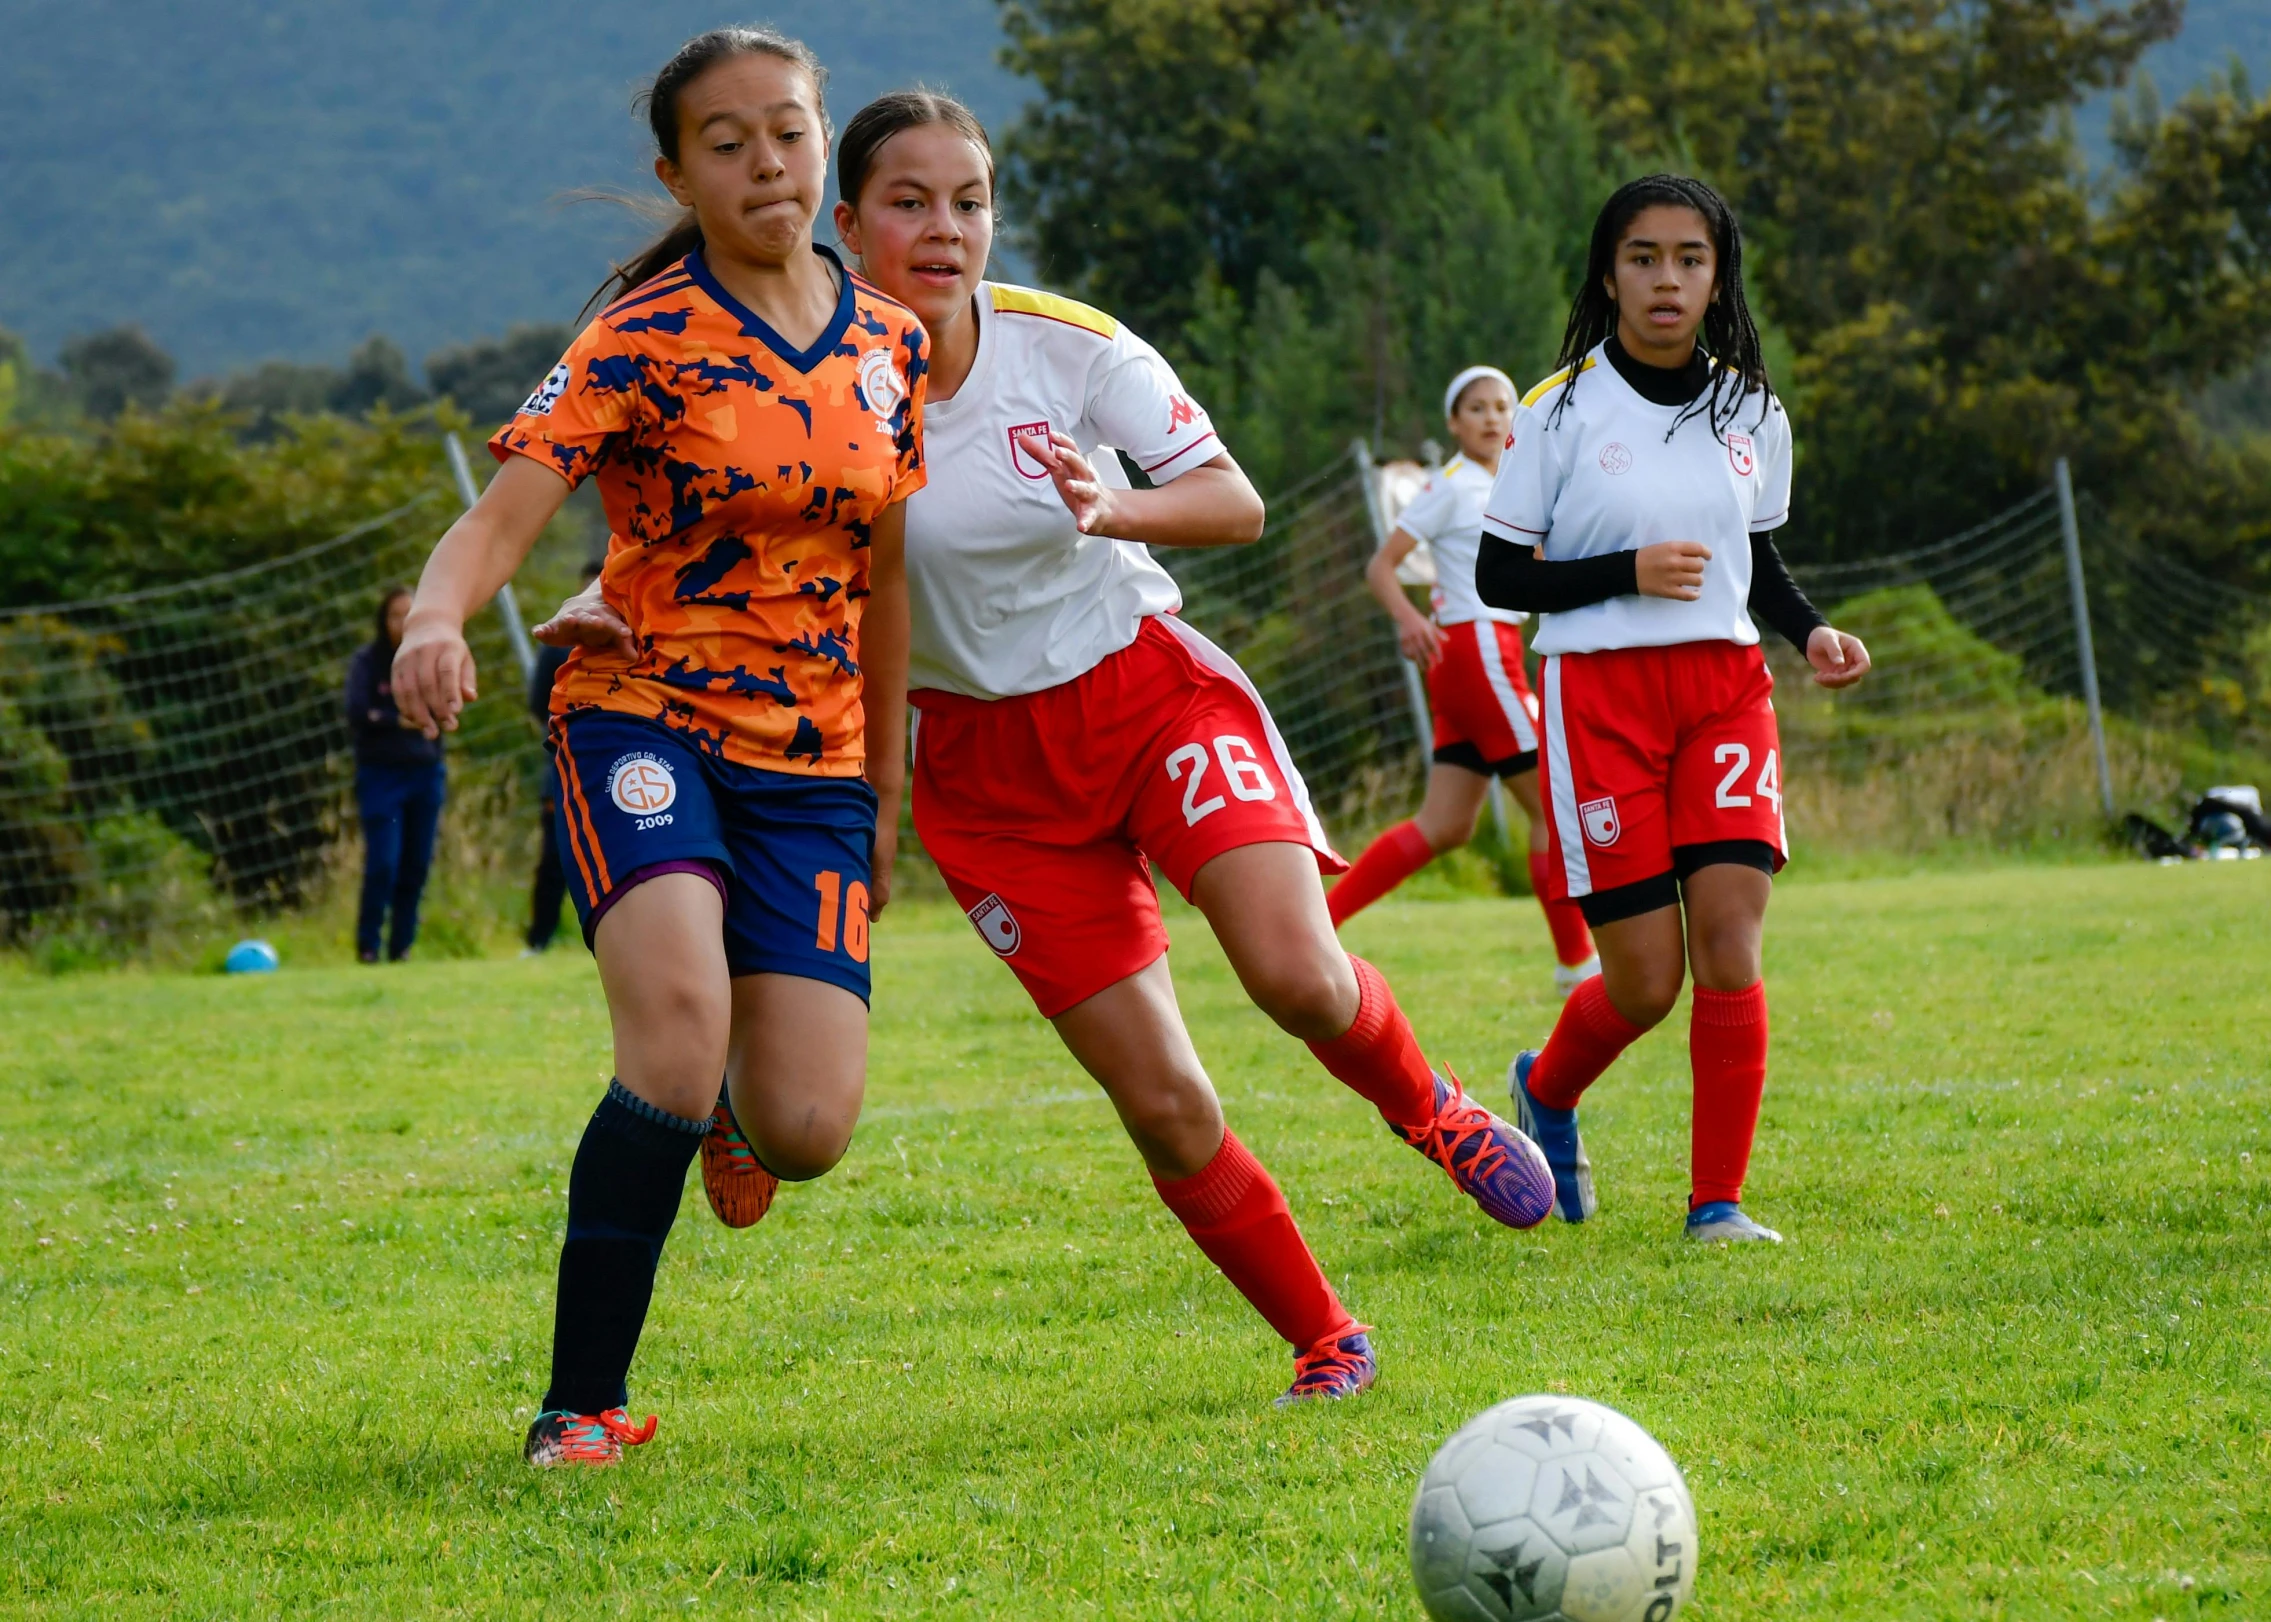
point(1604, 479)
point(1446, 517)
point(1008, 596)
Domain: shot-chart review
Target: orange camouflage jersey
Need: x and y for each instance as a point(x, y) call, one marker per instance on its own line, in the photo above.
point(741, 477)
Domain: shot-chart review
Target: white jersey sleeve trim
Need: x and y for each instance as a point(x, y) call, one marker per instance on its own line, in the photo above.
point(1210, 437)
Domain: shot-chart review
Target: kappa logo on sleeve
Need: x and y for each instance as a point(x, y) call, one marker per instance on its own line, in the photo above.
point(1181, 413)
point(1600, 820)
point(547, 393)
point(997, 925)
point(1739, 453)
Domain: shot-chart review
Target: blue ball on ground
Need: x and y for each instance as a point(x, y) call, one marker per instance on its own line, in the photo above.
point(251, 957)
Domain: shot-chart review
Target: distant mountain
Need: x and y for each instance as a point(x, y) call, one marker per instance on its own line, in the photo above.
point(278, 179)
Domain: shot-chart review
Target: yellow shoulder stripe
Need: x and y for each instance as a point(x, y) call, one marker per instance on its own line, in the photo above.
point(1054, 307)
point(1558, 378)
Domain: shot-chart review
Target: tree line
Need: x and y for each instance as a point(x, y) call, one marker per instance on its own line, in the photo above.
point(1321, 210)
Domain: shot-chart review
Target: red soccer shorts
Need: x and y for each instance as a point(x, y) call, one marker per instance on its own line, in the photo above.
point(1044, 812)
point(1486, 717)
point(1651, 751)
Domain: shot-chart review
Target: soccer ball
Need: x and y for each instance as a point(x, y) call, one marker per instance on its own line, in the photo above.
point(1553, 1509)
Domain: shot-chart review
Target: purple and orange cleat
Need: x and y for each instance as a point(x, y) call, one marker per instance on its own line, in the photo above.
point(557, 1440)
point(740, 1189)
point(1335, 1368)
point(1494, 1164)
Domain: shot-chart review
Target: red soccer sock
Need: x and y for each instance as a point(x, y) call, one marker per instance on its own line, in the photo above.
point(1235, 1213)
point(1572, 941)
point(1585, 1042)
point(1726, 1040)
point(1378, 1058)
point(1389, 860)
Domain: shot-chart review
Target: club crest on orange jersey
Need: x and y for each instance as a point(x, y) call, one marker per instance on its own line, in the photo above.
point(997, 925)
point(1600, 820)
point(1739, 453)
point(547, 393)
point(880, 386)
point(1021, 456)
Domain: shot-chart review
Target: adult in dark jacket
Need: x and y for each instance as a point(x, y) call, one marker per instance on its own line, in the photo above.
point(399, 784)
point(551, 885)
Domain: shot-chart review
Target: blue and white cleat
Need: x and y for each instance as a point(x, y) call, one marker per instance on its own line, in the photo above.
point(1332, 1369)
point(1555, 1133)
point(1723, 1220)
point(1491, 1162)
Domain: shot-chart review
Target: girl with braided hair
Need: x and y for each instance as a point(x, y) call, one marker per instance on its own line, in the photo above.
point(1633, 512)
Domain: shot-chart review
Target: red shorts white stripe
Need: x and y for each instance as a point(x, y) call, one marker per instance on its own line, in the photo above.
point(1480, 694)
point(1650, 749)
point(1044, 812)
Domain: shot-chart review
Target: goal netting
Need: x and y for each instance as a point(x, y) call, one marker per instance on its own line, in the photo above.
point(182, 752)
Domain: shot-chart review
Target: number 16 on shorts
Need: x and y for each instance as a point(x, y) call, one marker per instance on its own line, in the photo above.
point(843, 916)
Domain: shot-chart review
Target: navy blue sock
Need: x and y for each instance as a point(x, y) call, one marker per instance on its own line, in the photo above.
point(622, 1198)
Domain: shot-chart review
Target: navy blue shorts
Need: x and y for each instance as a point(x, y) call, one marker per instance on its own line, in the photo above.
point(789, 853)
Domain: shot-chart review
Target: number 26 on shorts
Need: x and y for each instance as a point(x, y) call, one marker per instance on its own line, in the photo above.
point(1736, 758)
point(843, 915)
point(1240, 764)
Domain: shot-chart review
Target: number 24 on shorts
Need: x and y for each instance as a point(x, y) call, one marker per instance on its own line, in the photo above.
point(1240, 764)
point(844, 903)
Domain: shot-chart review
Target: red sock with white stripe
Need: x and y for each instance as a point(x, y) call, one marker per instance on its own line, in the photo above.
point(1389, 860)
point(1585, 1041)
point(1572, 941)
point(1378, 1058)
point(1726, 1040)
point(1234, 1211)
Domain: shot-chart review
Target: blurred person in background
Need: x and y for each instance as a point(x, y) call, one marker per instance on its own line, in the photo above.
point(550, 888)
point(399, 785)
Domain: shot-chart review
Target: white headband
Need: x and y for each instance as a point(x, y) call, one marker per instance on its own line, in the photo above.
point(1471, 375)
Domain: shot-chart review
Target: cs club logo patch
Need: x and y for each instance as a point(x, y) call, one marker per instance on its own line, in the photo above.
point(1021, 456)
point(997, 926)
point(1739, 453)
point(1600, 820)
point(1616, 458)
point(642, 785)
point(547, 393)
point(880, 386)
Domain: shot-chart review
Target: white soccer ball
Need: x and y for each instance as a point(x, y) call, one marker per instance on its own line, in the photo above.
point(1553, 1509)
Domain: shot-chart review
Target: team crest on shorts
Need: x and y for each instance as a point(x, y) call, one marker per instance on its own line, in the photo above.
point(1600, 820)
point(642, 785)
point(1616, 457)
point(547, 393)
point(1739, 453)
point(997, 925)
point(879, 383)
point(1022, 459)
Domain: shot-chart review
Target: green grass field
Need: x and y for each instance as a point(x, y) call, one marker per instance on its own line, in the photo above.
point(275, 1280)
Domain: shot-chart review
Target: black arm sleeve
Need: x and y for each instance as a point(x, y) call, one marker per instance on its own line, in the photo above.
point(1507, 576)
point(362, 692)
point(1775, 597)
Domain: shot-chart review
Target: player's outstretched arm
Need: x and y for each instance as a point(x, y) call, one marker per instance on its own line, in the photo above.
point(433, 668)
point(1212, 505)
point(1416, 635)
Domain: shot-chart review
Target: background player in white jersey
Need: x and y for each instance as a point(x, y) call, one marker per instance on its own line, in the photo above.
point(1486, 717)
point(1633, 512)
point(1072, 732)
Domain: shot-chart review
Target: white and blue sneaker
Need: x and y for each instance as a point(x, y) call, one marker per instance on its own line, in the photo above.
point(1723, 1220)
point(1554, 1131)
